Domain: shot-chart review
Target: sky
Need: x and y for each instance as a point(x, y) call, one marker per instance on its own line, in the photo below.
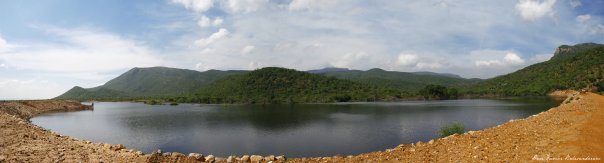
point(49, 46)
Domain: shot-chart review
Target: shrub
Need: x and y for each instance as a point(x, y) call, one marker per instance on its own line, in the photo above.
point(450, 129)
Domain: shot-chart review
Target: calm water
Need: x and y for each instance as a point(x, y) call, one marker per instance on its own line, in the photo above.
point(292, 130)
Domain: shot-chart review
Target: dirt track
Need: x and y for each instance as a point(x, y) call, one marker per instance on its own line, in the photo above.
point(571, 131)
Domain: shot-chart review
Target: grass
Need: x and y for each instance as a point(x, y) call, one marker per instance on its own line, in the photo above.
point(450, 129)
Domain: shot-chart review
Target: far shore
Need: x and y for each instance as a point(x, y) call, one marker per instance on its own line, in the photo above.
point(571, 131)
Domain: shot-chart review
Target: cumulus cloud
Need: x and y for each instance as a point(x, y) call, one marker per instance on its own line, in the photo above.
point(4, 46)
point(87, 51)
point(245, 6)
point(583, 18)
point(247, 49)
point(3, 43)
point(407, 60)
point(195, 5)
point(218, 21)
point(297, 5)
point(220, 34)
point(350, 58)
point(204, 21)
point(534, 9)
point(508, 59)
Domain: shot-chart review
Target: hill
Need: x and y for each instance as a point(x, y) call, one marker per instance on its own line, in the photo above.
point(149, 82)
point(406, 81)
point(571, 67)
point(280, 85)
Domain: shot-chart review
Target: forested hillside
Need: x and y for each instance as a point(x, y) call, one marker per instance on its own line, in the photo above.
point(280, 85)
point(571, 67)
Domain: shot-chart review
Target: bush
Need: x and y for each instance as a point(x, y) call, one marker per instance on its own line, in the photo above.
point(450, 129)
point(153, 102)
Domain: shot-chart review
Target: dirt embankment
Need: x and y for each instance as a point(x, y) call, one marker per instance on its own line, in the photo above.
point(21, 141)
point(571, 131)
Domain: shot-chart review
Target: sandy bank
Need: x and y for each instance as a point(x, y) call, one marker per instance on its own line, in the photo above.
point(570, 131)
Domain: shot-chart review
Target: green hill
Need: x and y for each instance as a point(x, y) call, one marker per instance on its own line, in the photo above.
point(411, 82)
point(150, 82)
point(280, 85)
point(97, 93)
point(571, 67)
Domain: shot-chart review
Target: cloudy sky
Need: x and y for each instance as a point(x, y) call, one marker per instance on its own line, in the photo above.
point(49, 46)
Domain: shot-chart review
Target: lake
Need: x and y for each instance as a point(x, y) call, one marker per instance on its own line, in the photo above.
point(299, 130)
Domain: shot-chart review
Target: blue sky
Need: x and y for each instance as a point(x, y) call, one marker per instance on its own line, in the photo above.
point(49, 46)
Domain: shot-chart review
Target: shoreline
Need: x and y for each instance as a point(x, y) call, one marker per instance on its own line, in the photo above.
point(552, 135)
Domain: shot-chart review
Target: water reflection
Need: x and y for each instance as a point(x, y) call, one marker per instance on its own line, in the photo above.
point(293, 130)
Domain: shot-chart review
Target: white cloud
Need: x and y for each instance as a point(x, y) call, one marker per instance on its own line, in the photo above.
point(597, 29)
point(583, 18)
point(247, 49)
point(16, 89)
point(513, 59)
point(245, 6)
point(575, 3)
point(541, 58)
point(297, 5)
point(86, 51)
point(2, 65)
point(196, 5)
point(220, 34)
point(204, 21)
point(218, 21)
point(3, 44)
point(535, 9)
point(407, 60)
point(508, 59)
point(350, 58)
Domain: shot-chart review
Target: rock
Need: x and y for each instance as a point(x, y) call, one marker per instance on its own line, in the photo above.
point(245, 158)
point(412, 149)
point(281, 158)
point(431, 142)
point(419, 143)
point(119, 147)
point(139, 153)
point(269, 158)
point(219, 159)
point(471, 132)
point(389, 150)
point(87, 142)
point(196, 156)
point(255, 158)
point(158, 151)
point(107, 146)
point(176, 154)
point(230, 159)
point(210, 158)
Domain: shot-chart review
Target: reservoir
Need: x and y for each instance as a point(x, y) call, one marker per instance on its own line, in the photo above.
point(297, 130)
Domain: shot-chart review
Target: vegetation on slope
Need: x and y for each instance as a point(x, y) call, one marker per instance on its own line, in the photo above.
point(280, 85)
point(404, 81)
point(147, 83)
point(571, 67)
point(438, 92)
